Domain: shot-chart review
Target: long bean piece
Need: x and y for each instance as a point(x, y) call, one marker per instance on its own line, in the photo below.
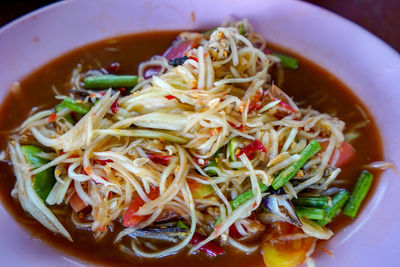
point(312, 201)
point(110, 81)
point(338, 202)
point(310, 213)
point(284, 176)
point(243, 197)
point(359, 193)
point(72, 105)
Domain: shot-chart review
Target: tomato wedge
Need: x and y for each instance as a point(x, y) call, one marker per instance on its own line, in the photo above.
point(199, 190)
point(130, 218)
point(287, 253)
point(347, 153)
point(77, 203)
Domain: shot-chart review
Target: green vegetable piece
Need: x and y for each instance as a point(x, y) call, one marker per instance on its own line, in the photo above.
point(232, 146)
point(287, 61)
point(182, 225)
point(72, 105)
point(218, 221)
point(110, 81)
point(338, 202)
point(310, 213)
point(359, 193)
point(213, 163)
point(314, 202)
point(242, 30)
point(243, 197)
point(43, 181)
point(284, 176)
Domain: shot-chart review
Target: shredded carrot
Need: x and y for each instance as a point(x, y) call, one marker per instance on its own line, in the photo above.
point(327, 251)
point(215, 131)
point(93, 95)
point(52, 117)
point(88, 170)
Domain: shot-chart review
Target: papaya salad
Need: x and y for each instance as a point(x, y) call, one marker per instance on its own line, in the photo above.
point(201, 151)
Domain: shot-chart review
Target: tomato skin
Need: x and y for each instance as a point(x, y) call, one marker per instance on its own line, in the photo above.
point(130, 218)
point(285, 253)
point(77, 203)
point(347, 153)
point(199, 190)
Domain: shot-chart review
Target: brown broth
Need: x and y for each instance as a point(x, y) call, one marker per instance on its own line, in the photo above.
point(130, 50)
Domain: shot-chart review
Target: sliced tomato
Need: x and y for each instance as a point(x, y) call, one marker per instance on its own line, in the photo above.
point(77, 203)
point(130, 218)
point(199, 190)
point(179, 49)
point(285, 253)
point(347, 153)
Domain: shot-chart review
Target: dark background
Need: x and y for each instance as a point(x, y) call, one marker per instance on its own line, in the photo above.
point(381, 17)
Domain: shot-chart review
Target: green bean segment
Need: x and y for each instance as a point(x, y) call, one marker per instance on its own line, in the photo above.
point(242, 198)
point(284, 176)
point(312, 201)
point(338, 202)
point(359, 193)
point(310, 213)
point(72, 105)
point(110, 81)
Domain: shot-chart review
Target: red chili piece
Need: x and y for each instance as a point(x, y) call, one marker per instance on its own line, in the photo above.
point(253, 147)
point(211, 249)
point(285, 105)
point(52, 117)
point(169, 97)
point(103, 162)
point(114, 107)
point(123, 91)
point(240, 127)
point(159, 159)
point(113, 68)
